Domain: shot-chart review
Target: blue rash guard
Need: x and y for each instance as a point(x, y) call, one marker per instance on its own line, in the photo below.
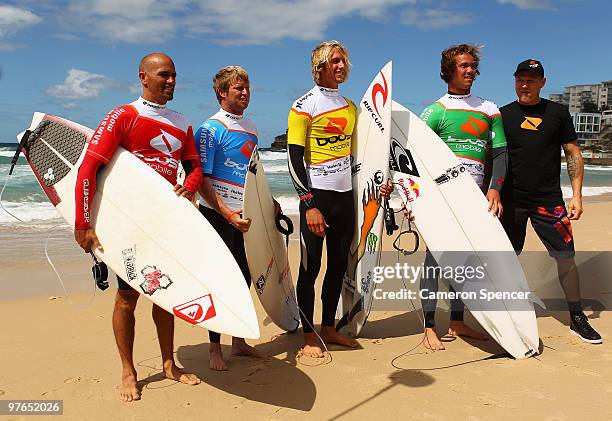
point(225, 143)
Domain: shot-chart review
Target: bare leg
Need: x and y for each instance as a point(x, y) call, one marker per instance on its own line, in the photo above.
point(215, 357)
point(568, 277)
point(164, 322)
point(123, 328)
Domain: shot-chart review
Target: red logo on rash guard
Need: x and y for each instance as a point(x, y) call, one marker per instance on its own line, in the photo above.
point(378, 89)
point(247, 148)
point(166, 143)
point(336, 125)
point(196, 311)
point(474, 126)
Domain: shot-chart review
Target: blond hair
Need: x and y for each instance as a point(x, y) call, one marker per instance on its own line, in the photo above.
point(321, 55)
point(225, 77)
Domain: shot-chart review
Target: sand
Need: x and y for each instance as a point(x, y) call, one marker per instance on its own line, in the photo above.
point(55, 349)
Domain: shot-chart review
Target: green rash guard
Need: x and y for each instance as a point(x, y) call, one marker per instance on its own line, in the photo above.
point(466, 123)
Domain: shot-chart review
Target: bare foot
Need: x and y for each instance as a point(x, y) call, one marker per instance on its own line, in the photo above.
point(330, 335)
point(128, 390)
point(215, 358)
point(241, 349)
point(173, 372)
point(432, 341)
point(312, 347)
point(459, 328)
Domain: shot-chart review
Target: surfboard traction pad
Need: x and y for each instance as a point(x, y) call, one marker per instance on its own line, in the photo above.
point(65, 140)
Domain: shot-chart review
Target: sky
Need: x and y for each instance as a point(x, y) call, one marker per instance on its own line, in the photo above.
point(79, 58)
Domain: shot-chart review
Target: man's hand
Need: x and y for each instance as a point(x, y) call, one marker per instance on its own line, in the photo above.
point(238, 222)
point(407, 213)
point(387, 189)
point(495, 206)
point(277, 208)
point(87, 239)
point(182, 191)
point(316, 222)
point(574, 208)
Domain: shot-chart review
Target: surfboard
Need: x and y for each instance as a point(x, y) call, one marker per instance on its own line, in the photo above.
point(369, 169)
point(266, 250)
point(157, 242)
point(451, 215)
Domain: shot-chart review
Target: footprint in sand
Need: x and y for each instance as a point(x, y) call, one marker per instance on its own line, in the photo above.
point(489, 399)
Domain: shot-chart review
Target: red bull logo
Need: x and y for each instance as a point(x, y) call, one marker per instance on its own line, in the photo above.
point(410, 188)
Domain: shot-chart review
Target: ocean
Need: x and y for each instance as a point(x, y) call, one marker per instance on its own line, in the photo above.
point(24, 198)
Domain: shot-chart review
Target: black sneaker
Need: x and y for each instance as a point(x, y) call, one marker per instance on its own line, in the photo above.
point(579, 326)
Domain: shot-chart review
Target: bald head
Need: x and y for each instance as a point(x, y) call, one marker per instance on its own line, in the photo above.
point(158, 77)
point(152, 60)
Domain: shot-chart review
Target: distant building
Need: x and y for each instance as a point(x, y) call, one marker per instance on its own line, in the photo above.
point(575, 97)
point(588, 127)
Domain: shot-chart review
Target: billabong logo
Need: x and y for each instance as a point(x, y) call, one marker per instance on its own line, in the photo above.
point(336, 125)
point(166, 143)
point(531, 123)
point(196, 311)
point(474, 126)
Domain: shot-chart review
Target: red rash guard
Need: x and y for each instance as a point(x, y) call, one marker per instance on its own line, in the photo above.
point(160, 137)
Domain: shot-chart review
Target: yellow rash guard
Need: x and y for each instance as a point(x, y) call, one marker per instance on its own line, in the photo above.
point(322, 123)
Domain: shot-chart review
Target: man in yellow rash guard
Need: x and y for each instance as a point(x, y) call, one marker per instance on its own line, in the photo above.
point(321, 126)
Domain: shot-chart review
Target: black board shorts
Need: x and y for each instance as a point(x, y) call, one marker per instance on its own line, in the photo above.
point(551, 224)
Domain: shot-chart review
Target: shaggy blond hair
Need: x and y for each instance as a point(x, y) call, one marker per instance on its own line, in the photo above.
point(225, 77)
point(321, 55)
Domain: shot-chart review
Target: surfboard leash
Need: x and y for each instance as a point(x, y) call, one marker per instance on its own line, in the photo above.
point(59, 278)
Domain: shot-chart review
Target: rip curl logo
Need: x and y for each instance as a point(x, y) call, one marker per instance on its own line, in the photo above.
point(474, 126)
point(531, 123)
point(378, 89)
point(196, 311)
point(154, 280)
point(166, 143)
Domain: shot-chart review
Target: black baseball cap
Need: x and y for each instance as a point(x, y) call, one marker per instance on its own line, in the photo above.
point(530, 65)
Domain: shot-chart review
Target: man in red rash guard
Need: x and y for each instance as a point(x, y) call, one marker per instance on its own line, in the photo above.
point(161, 138)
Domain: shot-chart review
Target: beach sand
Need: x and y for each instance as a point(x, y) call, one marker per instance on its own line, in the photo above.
point(53, 349)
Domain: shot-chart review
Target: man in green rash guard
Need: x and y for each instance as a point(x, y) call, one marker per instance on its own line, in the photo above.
point(466, 123)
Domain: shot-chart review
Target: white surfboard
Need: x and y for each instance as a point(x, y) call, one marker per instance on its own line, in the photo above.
point(451, 214)
point(157, 242)
point(370, 163)
point(266, 250)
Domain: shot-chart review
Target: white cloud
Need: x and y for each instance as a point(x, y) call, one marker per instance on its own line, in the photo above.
point(435, 18)
point(12, 20)
point(80, 84)
point(237, 22)
point(267, 21)
point(70, 106)
point(529, 4)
